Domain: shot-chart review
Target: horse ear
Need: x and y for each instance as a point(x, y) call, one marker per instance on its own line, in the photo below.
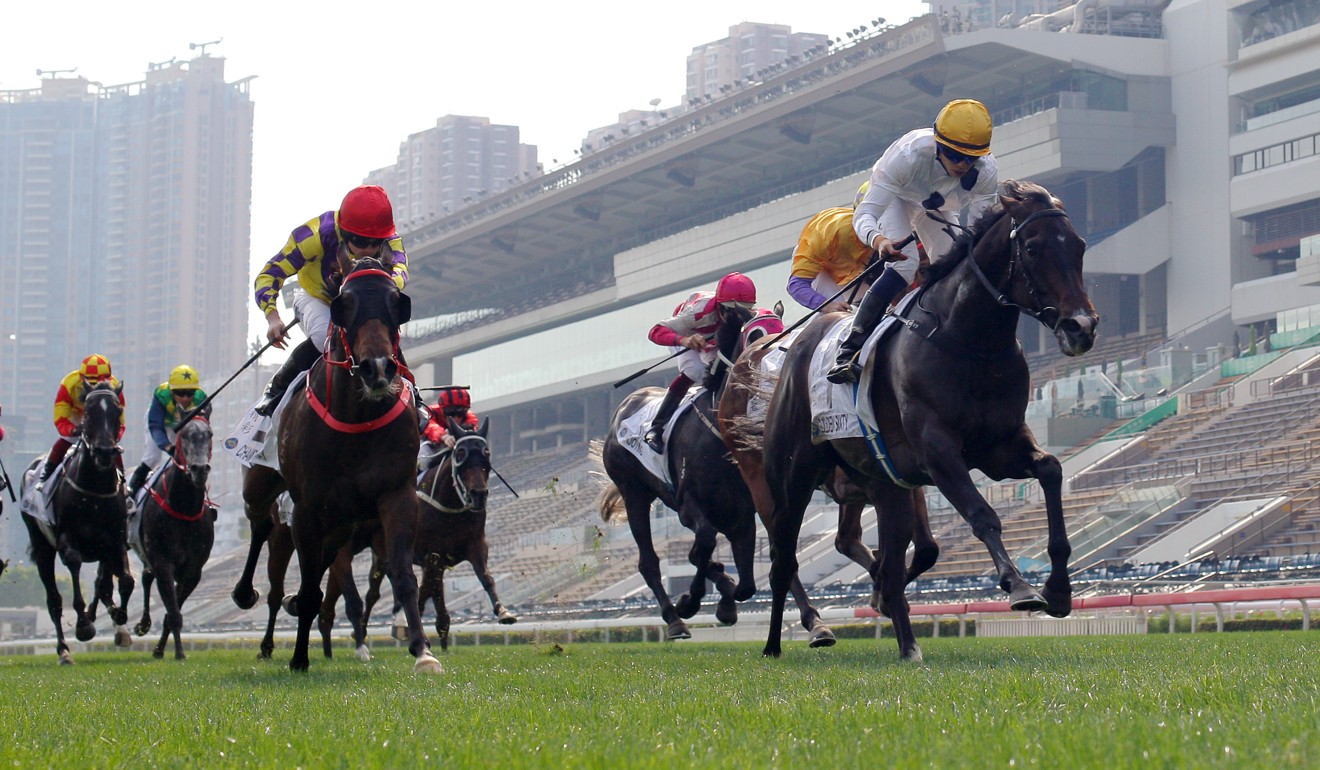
point(119, 388)
point(485, 425)
point(338, 311)
point(404, 308)
point(454, 426)
point(779, 308)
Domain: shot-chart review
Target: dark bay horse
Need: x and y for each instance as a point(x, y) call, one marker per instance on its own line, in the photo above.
point(90, 515)
point(451, 529)
point(742, 424)
point(348, 451)
point(707, 492)
point(177, 531)
point(949, 389)
point(262, 487)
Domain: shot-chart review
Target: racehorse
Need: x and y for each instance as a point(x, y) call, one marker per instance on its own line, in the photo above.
point(348, 450)
point(451, 529)
point(949, 389)
point(177, 526)
point(262, 487)
point(90, 515)
point(742, 424)
point(707, 492)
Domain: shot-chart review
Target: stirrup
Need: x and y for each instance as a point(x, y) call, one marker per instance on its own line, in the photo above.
point(266, 406)
point(846, 372)
point(655, 438)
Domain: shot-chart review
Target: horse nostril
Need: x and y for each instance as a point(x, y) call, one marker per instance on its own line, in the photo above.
point(391, 369)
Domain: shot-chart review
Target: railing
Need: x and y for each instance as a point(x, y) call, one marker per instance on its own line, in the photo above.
point(1129, 508)
point(1165, 410)
point(1300, 456)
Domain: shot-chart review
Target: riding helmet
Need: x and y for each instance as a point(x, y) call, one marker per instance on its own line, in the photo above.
point(184, 377)
point(735, 287)
point(964, 126)
point(366, 211)
point(95, 368)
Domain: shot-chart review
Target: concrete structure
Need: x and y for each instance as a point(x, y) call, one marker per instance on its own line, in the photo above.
point(750, 53)
point(127, 234)
point(445, 168)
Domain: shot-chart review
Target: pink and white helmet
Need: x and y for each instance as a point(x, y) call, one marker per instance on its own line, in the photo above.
point(735, 287)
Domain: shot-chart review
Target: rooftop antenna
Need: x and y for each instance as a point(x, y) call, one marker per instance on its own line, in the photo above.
point(55, 73)
point(195, 46)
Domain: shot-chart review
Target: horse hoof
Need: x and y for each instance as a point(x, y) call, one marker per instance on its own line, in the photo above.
point(912, 656)
point(246, 601)
point(427, 663)
point(142, 628)
point(770, 651)
point(726, 612)
point(822, 636)
point(677, 630)
point(877, 602)
point(1026, 599)
point(363, 653)
point(507, 618)
point(158, 654)
point(180, 656)
point(123, 638)
point(66, 658)
point(290, 605)
point(85, 633)
point(399, 633)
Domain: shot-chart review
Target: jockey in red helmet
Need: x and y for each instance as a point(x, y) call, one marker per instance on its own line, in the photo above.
point(70, 401)
point(317, 252)
point(693, 327)
point(452, 402)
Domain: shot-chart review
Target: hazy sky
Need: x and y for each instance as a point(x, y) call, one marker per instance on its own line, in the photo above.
point(340, 84)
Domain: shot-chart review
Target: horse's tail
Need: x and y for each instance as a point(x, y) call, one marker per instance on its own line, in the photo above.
point(610, 503)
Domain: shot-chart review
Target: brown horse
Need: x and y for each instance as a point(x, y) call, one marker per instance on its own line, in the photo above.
point(90, 516)
point(742, 423)
point(177, 531)
point(262, 487)
point(348, 451)
point(949, 390)
point(451, 529)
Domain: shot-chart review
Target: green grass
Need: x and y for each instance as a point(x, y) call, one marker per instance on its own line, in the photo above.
point(1221, 700)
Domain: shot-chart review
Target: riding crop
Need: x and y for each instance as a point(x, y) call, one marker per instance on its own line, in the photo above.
point(637, 374)
point(211, 396)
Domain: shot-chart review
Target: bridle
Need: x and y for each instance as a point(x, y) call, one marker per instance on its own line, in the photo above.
point(458, 456)
point(162, 497)
point(350, 361)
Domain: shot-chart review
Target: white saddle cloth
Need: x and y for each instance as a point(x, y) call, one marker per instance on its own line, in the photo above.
point(633, 429)
point(255, 440)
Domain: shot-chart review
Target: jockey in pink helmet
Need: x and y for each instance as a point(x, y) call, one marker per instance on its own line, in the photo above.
point(693, 327)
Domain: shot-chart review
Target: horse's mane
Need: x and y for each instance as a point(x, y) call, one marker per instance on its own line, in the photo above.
point(943, 264)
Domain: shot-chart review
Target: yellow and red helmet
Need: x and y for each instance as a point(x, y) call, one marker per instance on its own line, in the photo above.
point(95, 368)
point(184, 377)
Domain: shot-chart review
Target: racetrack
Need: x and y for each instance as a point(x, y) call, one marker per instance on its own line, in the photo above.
point(1203, 700)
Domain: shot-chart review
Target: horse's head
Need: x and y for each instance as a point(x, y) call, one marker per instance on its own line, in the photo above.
point(728, 341)
point(763, 323)
point(1049, 252)
point(192, 450)
point(369, 311)
point(470, 464)
point(100, 423)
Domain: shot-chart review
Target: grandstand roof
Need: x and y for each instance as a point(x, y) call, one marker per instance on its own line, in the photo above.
point(823, 118)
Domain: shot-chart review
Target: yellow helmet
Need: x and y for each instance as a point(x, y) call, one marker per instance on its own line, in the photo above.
point(861, 193)
point(964, 126)
point(184, 377)
point(95, 368)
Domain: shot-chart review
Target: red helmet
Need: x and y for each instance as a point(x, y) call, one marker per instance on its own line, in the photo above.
point(735, 287)
point(454, 397)
point(366, 211)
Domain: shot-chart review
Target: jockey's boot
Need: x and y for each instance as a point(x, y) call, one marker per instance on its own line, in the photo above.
point(848, 366)
point(300, 359)
point(43, 474)
point(655, 435)
point(139, 478)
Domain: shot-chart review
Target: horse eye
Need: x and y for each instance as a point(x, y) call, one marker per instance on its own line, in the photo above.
point(460, 456)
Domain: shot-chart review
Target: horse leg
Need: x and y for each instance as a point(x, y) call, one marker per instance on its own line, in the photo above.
point(326, 617)
point(311, 569)
point(183, 588)
point(946, 468)
point(84, 630)
point(1047, 470)
point(144, 625)
point(353, 605)
point(277, 565)
point(894, 507)
point(173, 617)
point(699, 556)
point(43, 557)
point(480, 555)
point(433, 582)
point(648, 564)
point(925, 550)
point(397, 512)
point(244, 595)
point(374, 577)
point(791, 500)
point(848, 541)
point(123, 572)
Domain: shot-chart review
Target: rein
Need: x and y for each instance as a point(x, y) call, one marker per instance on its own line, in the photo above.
point(162, 496)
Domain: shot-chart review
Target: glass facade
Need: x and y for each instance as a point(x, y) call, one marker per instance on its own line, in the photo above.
point(610, 341)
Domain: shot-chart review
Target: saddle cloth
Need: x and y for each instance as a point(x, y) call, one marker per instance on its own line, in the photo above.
point(634, 427)
point(39, 506)
point(134, 510)
point(255, 440)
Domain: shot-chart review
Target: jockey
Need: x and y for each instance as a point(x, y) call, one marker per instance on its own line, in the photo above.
point(828, 255)
point(943, 168)
point(452, 402)
point(693, 327)
point(317, 252)
point(170, 402)
point(69, 401)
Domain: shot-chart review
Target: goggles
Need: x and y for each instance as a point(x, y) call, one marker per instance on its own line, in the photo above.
point(732, 304)
point(957, 157)
point(185, 392)
point(362, 242)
